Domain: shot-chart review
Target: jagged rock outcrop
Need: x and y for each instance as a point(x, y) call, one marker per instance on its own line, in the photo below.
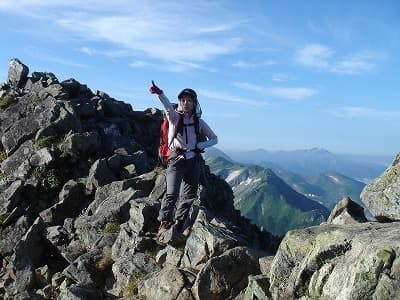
point(382, 196)
point(79, 197)
point(347, 211)
point(358, 261)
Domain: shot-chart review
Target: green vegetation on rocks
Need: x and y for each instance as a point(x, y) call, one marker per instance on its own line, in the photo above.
point(6, 101)
point(3, 217)
point(49, 178)
point(47, 141)
point(131, 289)
point(112, 228)
point(3, 156)
point(105, 261)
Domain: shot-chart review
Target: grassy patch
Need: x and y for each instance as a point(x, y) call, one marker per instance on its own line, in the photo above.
point(6, 101)
point(131, 288)
point(112, 228)
point(3, 217)
point(159, 170)
point(3, 156)
point(48, 178)
point(47, 141)
point(105, 261)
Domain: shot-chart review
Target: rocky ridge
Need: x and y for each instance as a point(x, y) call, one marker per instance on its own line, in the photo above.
point(79, 197)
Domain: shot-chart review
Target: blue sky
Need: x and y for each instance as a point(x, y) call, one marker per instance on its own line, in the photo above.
point(279, 76)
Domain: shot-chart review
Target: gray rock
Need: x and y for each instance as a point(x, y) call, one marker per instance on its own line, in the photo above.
point(11, 235)
point(265, 264)
point(140, 160)
point(80, 292)
point(120, 159)
point(74, 249)
point(65, 118)
point(208, 238)
point(143, 215)
point(72, 199)
point(43, 275)
point(33, 239)
point(57, 235)
point(169, 256)
point(382, 196)
point(42, 157)
point(258, 288)
point(21, 131)
point(129, 268)
point(54, 90)
point(81, 143)
point(347, 212)
point(84, 270)
point(129, 241)
point(24, 152)
point(17, 73)
point(114, 209)
point(128, 171)
point(11, 197)
point(224, 276)
point(25, 260)
point(337, 262)
point(99, 175)
point(167, 284)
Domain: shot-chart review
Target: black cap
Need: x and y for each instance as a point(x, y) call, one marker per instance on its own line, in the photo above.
point(188, 92)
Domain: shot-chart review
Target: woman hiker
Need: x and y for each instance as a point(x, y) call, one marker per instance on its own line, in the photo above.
point(185, 125)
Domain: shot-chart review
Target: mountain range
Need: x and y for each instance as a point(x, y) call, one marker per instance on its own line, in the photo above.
point(267, 196)
point(313, 161)
point(266, 199)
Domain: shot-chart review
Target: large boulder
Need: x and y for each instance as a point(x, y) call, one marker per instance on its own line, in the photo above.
point(224, 276)
point(17, 73)
point(209, 237)
point(346, 212)
point(167, 284)
point(355, 261)
point(129, 268)
point(382, 196)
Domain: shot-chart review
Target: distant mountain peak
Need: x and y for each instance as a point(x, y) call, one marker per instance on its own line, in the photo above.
point(318, 150)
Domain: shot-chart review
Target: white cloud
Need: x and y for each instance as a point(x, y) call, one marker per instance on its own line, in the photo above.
point(364, 112)
point(290, 93)
point(325, 58)
point(42, 54)
point(139, 64)
point(281, 77)
point(315, 55)
point(355, 64)
point(227, 97)
point(87, 50)
point(251, 65)
point(168, 32)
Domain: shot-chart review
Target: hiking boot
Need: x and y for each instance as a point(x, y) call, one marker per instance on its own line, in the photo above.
point(164, 226)
point(171, 237)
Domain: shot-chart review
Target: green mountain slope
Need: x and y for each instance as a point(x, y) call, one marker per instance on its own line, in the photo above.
point(326, 188)
point(266, 199)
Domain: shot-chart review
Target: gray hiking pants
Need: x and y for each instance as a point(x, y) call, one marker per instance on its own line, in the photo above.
point(182, 178)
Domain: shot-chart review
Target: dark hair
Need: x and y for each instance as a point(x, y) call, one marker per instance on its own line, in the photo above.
point(188, 92)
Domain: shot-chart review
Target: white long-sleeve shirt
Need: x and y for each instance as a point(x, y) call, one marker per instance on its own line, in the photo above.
point(188, 139)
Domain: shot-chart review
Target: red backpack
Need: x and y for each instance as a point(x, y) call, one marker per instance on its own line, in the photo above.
point(163, 149)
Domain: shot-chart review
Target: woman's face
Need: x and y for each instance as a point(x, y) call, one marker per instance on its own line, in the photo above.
point(187, 104)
